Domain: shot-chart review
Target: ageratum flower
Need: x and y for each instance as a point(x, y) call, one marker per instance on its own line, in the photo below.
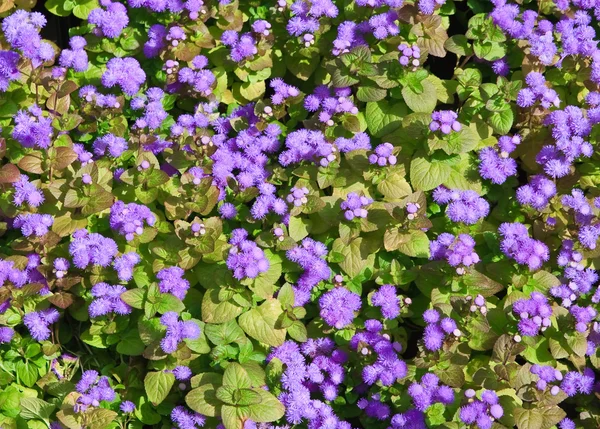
point(177, 331)
point(110, 22)
point(32, 128)
point(38, 323)
point(172, 281)
point(9, 70)
point(107, 299)
point(126, 73)
point(338, 307)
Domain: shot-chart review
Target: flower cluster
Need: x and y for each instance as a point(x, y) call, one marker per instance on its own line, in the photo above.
point(93, 388)
point(111, 21)
point(537, 91)
point(92, 248)
point(32, 128)
point(386, 367)
point(33, 224)
point(517, 244)
point(177, 331)
point(457, 251)
point(429, 391)
point(309, 255)
point(329, 102)
point(482, 412)
point(437, 329)
point(246, 259)
point(354, 206)
point(107, 299)
point(444, 121)
point(547, 374)
point(172, 281)
point(38, 323)
point(338, 307)
point(496, 164)
point(76, 57)
point(387, 300)
point(383, 155)
point(125, 73)
point(128, 219)
point(313, 368)
point(22, 32)
point(534, 314)
point(463, 206)
point(25, 191)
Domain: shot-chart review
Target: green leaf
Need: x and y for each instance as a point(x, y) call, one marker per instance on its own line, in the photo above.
point(60, 7)
point(215, 311)
point(383, 117)
point(35, 408)
point(370, 93)
point(225, 333)
point(101, 418)
point(502, 122)
point(459, 45)
point(158, 385)
point(539, 417)
point(134, 297)
point(358, 254)
point(27, 372)
point(428, 173)
point(456, 142)
point(268, 410)
point(168, 302)
point(252, 90)
point(394, 186)
point(84, 7)
point(298, 228)
point(413, 243)
point(424, 101)
point(259, 323)
point(236, 376)
point(204, 400)
point(233, 417)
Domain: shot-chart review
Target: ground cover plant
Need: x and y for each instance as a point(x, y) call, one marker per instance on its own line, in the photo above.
point(320, 214)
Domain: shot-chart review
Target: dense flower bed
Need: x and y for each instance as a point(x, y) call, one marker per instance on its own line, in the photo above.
point(321, 214)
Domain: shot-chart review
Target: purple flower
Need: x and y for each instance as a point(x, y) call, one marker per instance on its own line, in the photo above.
point(110, 22)
point(245, 259)
point(172, 281)
point(92, 248)
point(128, 219)
point(9, 70)
point(445, 121)
point(463, 206)
point(33, 224)
point(21, 31)
point(38, 323)
point(429, 391)
point(338, 307)
point(184, 419)
point(6, 334)
point(76, 57)
point(517, 244)
point(124, 72)
point(534, 314)
point(32, 129)
point(386, 299)
point(457, 251)
point(26, 191)
point(115, 145)
point(107, 299)
point(127, 407)
point(93, 389)
point(177, 331)
point(309, 255)
point(124, 264)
